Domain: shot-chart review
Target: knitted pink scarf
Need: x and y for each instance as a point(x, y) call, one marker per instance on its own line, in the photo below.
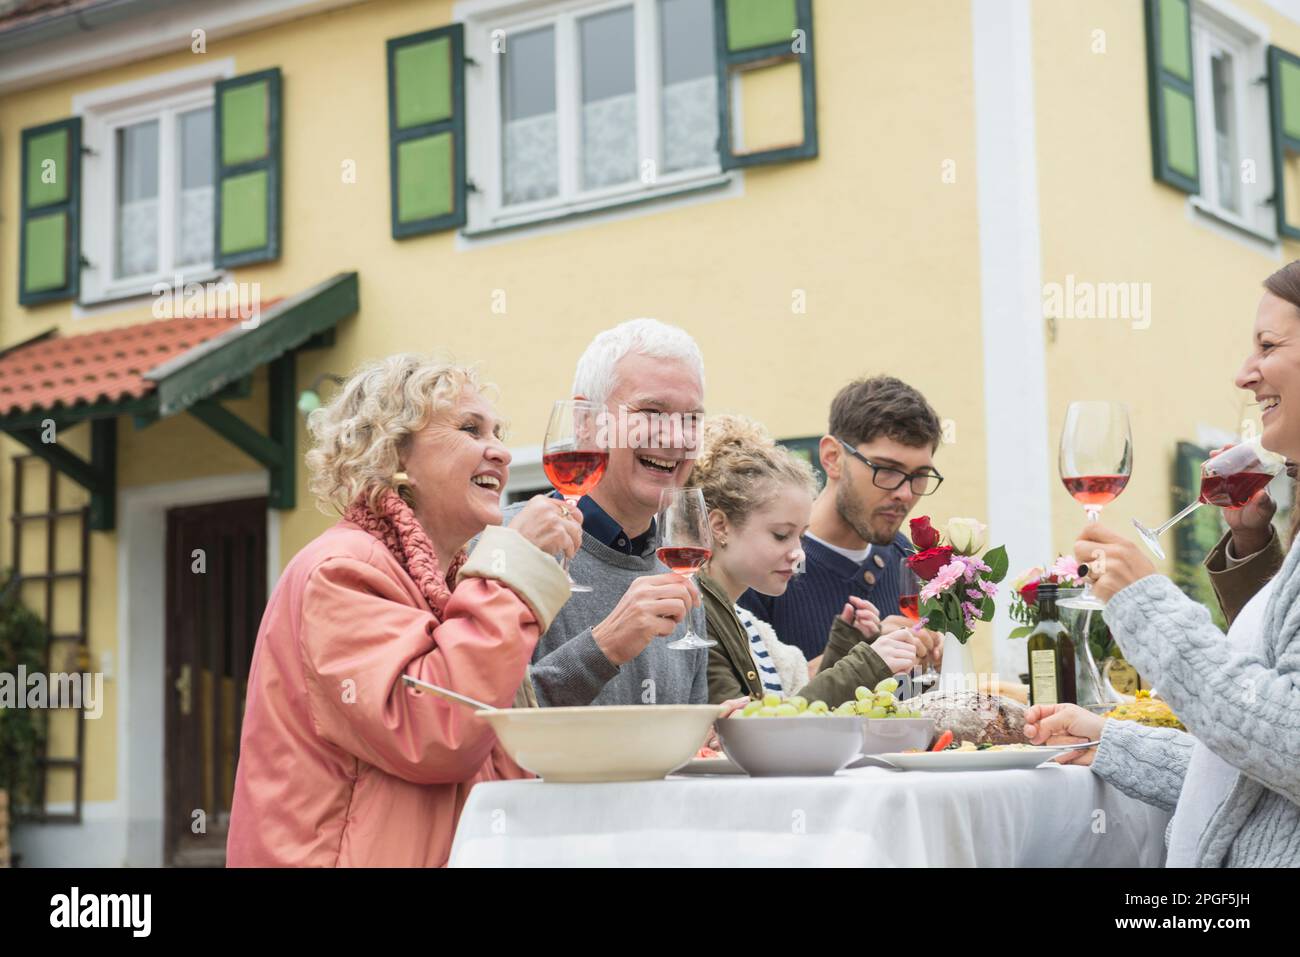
point(394, 523)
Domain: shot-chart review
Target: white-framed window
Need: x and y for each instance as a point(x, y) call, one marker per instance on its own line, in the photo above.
point(1229, 54)
point(148, 183)
point(596, 103)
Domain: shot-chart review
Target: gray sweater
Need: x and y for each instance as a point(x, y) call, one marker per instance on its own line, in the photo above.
point(570, 669)
point(1243, 707)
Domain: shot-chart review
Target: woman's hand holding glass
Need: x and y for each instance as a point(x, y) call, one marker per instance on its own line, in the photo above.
point(552, 524)
point(1250, 524)
point(1113, 562)
point(1064, 724)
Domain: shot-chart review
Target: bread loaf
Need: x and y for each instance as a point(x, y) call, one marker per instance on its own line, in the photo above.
point(973, 716)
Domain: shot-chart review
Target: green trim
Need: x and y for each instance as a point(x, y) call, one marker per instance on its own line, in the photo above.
point(808, 448)
point(764, 23)
point(274, 451)
point(758, 58)
point(1280, 63)
point(98, 476)
point(417, 123)
point(38, 215)
point(1166, 20)
point(66, 415)
point(237, 182)
point(237, 432)
point(282, 418)
point(103, 459)
point(285, 327)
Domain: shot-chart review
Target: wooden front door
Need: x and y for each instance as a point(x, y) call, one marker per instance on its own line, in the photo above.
point(216, 592)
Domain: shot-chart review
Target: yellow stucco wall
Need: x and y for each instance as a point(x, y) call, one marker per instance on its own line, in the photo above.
point(885, 250)
point(1104, 219)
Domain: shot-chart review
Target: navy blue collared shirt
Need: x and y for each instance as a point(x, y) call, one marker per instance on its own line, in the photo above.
point(598, 523)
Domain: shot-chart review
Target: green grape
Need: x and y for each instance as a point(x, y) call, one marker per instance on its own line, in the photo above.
point(819, 707)
point(877, 713)
point(847, 708)
point(766, 712)
point(861, 693)
point(884, 701)
point(862, 707)
point(799, 702)
point(887, 686)
point(771, 700)
point(786, 710)
point(752, 708)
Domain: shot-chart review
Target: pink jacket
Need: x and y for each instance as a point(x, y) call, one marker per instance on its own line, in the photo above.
point(339, 763)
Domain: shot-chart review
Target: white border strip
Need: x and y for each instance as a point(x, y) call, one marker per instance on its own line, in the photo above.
point(1015, 380)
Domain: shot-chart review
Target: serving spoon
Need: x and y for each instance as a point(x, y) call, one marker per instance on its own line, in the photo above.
point(420, 686)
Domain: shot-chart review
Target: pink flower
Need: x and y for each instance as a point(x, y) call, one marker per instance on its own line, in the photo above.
point(988, 588)
point(945, 578)
point(1065, 568)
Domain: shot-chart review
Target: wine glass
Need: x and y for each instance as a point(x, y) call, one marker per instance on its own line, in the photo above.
point(574, 457)
point(685, 544)
point(1096, 462)
point(909, 603)
point(1229, 480)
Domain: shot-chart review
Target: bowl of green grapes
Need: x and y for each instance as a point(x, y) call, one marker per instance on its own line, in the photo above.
point(793, 736)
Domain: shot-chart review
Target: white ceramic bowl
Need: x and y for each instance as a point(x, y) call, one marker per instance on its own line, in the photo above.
point(603, 743)
point(892, 735)
point(769, 747)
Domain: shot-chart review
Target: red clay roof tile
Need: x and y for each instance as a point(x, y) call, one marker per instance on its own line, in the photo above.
point(64, 371)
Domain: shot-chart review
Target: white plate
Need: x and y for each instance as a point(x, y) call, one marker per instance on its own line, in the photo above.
point(718, 765)
point(969, 760)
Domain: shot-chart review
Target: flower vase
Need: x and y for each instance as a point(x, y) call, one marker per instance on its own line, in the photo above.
point(957, 673)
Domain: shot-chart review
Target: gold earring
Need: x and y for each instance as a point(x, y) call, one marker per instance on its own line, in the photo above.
point(722, 544)
point(404, 487)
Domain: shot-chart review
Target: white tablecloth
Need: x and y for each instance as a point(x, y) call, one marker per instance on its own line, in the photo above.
point(1052, 817)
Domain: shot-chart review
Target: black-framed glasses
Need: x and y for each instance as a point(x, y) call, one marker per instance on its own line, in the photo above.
point(924, 482)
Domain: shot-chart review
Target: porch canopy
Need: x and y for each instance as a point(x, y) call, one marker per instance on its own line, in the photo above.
point(151, 370)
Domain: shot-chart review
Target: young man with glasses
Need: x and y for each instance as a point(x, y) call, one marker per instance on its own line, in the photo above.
point(879, 462)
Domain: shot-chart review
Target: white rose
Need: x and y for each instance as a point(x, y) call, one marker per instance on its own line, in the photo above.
point(965, 535)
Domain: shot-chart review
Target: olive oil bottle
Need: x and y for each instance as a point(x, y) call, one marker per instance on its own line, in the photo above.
point(1051, 654)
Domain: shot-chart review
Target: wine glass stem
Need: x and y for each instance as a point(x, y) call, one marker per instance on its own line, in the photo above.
point(1179, 517)
point(564, 558)
point(1093, 512)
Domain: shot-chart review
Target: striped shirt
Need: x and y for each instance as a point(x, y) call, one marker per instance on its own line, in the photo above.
point(758, 650)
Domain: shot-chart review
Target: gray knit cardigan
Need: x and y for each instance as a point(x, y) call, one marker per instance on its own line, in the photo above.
point(1243, 707)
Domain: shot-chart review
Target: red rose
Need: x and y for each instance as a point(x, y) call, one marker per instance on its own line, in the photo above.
point(927, 563)
point(1030, 593)
point(923, 534)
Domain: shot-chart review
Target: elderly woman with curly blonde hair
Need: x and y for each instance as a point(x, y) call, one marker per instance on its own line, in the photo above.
point(340, 764)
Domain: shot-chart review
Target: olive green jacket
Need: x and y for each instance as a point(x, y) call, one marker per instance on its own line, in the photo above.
point(849, 661)
point(1234, 585)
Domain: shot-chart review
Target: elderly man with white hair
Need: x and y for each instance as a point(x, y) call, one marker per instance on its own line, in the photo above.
point(604, 647)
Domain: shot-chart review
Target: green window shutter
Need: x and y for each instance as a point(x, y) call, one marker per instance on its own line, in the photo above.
point(49, 244)
point(247, 220)
point(757, 36)
point(1284, 110)
point(426, 131)
point(1170, 95)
